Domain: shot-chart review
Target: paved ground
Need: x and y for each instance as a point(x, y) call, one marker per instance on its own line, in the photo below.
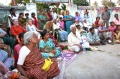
point(103, 64)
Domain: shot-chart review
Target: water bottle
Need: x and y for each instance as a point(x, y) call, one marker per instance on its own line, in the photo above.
point(83, 43)
point(84, 47)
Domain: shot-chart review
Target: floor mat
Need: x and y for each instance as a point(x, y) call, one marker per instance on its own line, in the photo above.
point(69, 56)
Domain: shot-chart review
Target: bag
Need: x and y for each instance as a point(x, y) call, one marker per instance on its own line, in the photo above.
point(47, 64)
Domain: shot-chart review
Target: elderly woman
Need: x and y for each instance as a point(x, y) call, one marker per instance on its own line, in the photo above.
point(16, 29)
point(30, 62)
point(47, 46)
point(31, 27)
point(73, 40)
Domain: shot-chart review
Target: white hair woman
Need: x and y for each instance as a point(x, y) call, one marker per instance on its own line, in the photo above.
point(73, 40)
point(31, 27)
point(30, 60)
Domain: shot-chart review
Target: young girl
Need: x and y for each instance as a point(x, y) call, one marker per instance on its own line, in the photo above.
point(96, 24)
point(116, 36)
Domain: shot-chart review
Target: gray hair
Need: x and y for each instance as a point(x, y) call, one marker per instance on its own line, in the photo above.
point(15, 19)
point(72, 26)
point(27, 37)
point(29, 19)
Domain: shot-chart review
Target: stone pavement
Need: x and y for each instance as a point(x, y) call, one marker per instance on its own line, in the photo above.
point(103, 64)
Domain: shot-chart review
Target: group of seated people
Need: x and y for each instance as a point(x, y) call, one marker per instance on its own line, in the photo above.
point(34, 47)
point(31, 55)
point(95, 35)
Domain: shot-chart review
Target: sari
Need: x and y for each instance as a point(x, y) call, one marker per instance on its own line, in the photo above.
point(68, 22)
point(33, 66)
point(49, 45)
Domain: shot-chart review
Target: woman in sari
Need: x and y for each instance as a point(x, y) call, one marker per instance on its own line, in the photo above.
point(69, 21)
point(47, 46)
point(49, 27)
point(30, 60)
point(22, 20)
point(43, 19)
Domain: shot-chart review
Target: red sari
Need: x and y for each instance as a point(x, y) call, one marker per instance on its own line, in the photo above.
point(33, 66)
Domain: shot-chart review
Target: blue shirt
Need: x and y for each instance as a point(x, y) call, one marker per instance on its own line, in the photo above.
point(93, 37)
point(49, 45)
point(78, 18)
point(100, 28)
point(3, 55)
point(2, 31)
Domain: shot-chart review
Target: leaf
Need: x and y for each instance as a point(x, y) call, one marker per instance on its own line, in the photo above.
point(81, 2)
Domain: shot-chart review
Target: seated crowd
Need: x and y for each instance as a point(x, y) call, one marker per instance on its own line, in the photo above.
point(32, 47)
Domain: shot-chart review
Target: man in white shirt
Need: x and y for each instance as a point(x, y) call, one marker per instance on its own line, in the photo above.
point(77, 22)
point(63, 34)
point(79, 30)
point(87, 25)
point(73, 40)
point(54, 14)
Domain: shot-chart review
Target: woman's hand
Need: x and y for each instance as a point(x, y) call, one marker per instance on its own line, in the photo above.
point(53, 51)
point(23, 77)
point(5, 47)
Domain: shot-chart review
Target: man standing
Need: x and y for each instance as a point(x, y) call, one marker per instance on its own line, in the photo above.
point(106, 16)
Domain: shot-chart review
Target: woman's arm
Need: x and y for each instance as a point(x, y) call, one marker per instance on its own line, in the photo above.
point(21, 70)
point(42, 50)
point(38, 29)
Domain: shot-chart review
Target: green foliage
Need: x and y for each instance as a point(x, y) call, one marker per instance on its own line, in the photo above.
point(63, 7)
point(20, 1)
point(108, 3)
point(81, 2)
point(41, 6)
point(95, 4)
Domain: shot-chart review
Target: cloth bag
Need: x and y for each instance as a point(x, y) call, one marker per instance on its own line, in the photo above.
point(48, 62)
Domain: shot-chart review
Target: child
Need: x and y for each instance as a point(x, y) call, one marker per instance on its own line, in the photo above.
point(116, 36)
point(61, 22)
point(96, 24)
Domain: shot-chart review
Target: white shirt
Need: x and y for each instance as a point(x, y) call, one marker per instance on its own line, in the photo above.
point(79, 24)
point(24, 51)
point(117, 22)
point(33, 28)
point(54, 15)
point(78, 32)
point(88, 25)
point(56, 26)
point(12, 17)
point(72, 39)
